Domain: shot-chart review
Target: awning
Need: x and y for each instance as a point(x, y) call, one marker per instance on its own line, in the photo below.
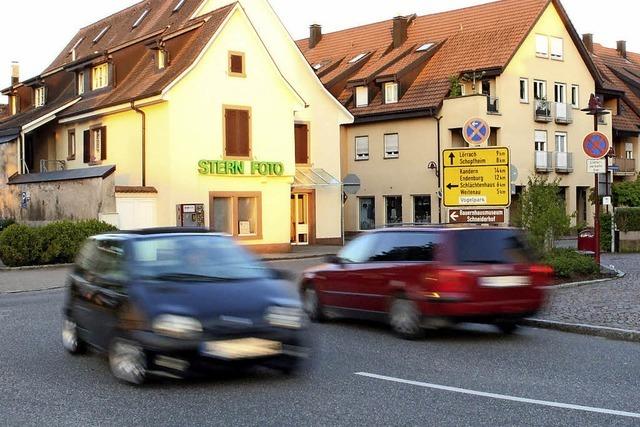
point(313, 177)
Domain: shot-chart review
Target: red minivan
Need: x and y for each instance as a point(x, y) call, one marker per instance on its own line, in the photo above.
point(424, 278)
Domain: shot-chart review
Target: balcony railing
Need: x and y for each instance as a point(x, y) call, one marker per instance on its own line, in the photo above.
point(52, 165)
point(623, 166)
point(492, 105)
point(542, 111)
point(563, 113)
point(543, 161)
point(564, 162)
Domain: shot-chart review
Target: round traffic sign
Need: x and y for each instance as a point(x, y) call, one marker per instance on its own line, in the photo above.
point(351, 184)
point(596, 145)
point(476, 132)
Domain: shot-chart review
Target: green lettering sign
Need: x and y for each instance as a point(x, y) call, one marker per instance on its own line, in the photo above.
point(237, 167)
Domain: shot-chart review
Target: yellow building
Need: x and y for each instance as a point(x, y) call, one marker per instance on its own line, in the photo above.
point(413, 82)
point(209, 113)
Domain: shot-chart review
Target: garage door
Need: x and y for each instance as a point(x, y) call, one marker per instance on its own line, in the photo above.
point(136, 213)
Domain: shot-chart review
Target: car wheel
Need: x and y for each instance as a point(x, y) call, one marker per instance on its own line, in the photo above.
point(404, 318)
point(128, 361)
point(312, 305)
point(507, 328)
point(70, 339)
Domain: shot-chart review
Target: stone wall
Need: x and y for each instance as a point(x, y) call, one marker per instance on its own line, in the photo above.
point(629, 241)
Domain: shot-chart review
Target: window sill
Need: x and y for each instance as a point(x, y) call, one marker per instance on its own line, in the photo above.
point(237, 157)
point(241, 75)
point(391, 157)
point(361, 160)
point(94, 163)
point(70, 158)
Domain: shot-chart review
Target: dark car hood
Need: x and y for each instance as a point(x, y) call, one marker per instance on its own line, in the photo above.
point(209, 301)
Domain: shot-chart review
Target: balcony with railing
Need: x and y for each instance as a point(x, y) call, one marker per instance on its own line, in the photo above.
point(563, 113)
point(542, 111)
point(492, 105)
point(52, 165)
point(564, 162)
point(622, 166)
point(544, 161)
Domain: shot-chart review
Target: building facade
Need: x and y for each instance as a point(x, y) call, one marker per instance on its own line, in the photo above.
point(413, 82)
point(189, 113)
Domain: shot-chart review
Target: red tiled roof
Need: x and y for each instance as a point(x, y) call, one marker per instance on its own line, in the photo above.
point(478, 37)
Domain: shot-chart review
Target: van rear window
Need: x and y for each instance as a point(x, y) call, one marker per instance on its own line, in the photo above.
point(491, 247)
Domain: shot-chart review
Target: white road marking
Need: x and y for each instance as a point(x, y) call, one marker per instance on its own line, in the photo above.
point(502, 396)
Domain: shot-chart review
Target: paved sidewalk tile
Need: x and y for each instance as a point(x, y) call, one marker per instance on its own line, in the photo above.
point(32, 280)
point(614, 303)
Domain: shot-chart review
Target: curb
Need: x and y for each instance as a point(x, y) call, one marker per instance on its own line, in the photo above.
point(35, 267)
point(619, 275)
point(578, 328)
point(24, 291)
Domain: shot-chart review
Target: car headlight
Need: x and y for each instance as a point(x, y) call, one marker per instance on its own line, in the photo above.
point(285, 317)
point(176, 326)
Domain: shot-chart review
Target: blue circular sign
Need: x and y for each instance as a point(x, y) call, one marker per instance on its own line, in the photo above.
point(596, 145)
point(476, 131)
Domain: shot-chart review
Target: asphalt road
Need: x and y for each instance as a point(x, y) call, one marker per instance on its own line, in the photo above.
point(362, 375)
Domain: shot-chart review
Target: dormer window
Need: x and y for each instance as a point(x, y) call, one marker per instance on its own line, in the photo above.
point(39, 96)
point(390, 93)
point(357, 58)
point(317, 66)
point(362, 96)
point(101, 34)
point(162, 59)
point(140, 19)
point(80, 82)
point(424, 47)
point(100, 76)
point(178, 6)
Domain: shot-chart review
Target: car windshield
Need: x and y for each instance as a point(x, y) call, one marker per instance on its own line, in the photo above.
point(491, 247)
point(194, 258)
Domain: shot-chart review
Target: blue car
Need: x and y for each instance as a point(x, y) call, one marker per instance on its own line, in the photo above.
point(174, 302)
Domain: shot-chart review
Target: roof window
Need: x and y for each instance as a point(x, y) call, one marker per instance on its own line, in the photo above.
point(357, 58)
point(317, 66)
point(178, 6)
point(101, 34)
point(139, 20)
point(75, 46)
point(424, 47)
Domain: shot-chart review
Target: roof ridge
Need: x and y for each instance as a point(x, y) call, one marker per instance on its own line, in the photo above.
point(126, 9)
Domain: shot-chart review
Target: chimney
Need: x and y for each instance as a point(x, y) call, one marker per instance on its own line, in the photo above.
point(315, 35)
point(587, 39)
point(15, 73)
point(621, 47)
point(400, 27)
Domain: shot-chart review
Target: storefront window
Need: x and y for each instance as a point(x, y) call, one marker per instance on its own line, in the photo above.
point(394, 209)
point(237, 214)
point(422, 209)
point(367, 213)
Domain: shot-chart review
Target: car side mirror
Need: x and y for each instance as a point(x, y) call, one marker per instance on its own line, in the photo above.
point(333, 259)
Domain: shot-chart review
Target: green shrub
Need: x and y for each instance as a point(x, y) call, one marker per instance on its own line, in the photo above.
point(628, 219)
point(4, 223)
point(626, 193)
point(605, 232)
point(568, 263)
point(54, 243)
point(19, 246)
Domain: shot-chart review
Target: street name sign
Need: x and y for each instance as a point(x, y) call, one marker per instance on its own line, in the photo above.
point(596, 166)
point(476, 216)
point(476, 177)
point(476, 132)
point(596, 145)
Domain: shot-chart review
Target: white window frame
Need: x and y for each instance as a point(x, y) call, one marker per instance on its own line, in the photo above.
point(96, 149)
point(543, 87)
point(81, 83)
point(560, 93)
point(424, 47)
point(540, 137)
point(561, 142)
point(357, 58)
point(463, 91)
point(360, 153)
point(100, 76)
point(524, 98)
point(40, 96)
point(628, 150)
point(575, 96)
point(391, 93)
point(557, 48)
point(391, 146)
point(362, 96)
point(542, 46)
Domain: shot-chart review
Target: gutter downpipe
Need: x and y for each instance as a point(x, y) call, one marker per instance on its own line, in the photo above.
point(438, 161)
point(144, 142)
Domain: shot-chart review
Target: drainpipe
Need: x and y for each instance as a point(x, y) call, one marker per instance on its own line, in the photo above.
point(439, 160)
point(144, 142)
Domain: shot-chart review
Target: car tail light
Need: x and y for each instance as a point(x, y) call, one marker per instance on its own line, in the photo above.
point(453, 281)
point(542, 274)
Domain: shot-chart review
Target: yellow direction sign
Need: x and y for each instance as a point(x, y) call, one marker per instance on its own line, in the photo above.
point(476, 177)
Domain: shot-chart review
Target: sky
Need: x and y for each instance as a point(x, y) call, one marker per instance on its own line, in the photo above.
point(39, 29)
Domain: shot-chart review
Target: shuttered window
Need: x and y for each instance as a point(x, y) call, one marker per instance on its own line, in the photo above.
point(86, 148)
point(302, 144)
point(236, 64)
point(95, 145)
point(237, 133)
point(391, 146)
point(362, 148)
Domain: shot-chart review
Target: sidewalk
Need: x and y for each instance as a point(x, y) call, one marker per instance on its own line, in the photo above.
point(42, 278)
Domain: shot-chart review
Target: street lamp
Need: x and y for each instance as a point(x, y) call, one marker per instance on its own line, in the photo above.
point(596, 110)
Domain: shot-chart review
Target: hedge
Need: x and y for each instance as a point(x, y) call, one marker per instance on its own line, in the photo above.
point(6, 222)
point(55, 243)
point(628, 219)
point(567, 263)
